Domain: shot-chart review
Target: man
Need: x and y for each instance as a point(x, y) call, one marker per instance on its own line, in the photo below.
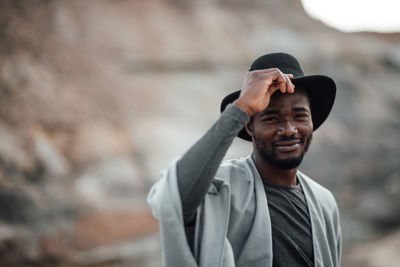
point(259, 210)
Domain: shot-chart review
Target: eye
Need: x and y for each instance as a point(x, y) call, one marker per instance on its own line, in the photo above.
point(270, 119)
point(302, 116)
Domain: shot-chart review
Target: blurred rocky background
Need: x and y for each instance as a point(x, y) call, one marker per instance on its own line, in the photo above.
point(96, 97)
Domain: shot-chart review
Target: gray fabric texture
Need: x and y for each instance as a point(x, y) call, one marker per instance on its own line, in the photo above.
point(233, 224)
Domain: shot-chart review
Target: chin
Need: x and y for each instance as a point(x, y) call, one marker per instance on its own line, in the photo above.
point(287, 164)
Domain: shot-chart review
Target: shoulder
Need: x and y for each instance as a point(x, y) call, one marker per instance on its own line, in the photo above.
point(321, 194)
point(237, 174)
point(232, 169)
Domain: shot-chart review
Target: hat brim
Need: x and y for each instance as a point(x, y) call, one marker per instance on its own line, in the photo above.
point(321, 91)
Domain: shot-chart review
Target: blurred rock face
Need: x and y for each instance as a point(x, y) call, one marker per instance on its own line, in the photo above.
point(97, 97)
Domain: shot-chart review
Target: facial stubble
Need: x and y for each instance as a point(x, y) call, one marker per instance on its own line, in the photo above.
point(272, 158)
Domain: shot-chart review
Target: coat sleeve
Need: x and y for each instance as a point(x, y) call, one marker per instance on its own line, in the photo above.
point(338, 235)
point(164, 201)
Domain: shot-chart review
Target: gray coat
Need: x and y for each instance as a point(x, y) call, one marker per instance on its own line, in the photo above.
point(234, 214)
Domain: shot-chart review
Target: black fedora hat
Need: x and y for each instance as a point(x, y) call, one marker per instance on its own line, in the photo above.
point(321, 89)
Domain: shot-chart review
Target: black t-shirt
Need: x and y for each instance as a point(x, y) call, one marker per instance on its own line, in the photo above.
point(291, 228)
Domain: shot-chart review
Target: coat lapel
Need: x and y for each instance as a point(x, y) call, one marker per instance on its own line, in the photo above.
point(258, 248)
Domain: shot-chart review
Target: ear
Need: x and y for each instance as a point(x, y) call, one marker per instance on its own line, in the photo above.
point(249, 128)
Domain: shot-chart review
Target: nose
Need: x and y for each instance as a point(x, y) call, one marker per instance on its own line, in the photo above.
point(287, 128)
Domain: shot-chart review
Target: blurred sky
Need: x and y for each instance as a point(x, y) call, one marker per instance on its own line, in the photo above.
point(356, 15)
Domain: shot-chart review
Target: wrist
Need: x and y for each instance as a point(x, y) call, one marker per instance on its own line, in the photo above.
point(243, 107)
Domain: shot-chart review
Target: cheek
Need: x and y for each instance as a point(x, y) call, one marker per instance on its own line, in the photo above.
point(305, 128)
point(311, 126)
point(264, 132)
point(307, 135)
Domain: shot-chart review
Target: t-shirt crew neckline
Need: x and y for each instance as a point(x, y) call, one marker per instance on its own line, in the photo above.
point(284, 187)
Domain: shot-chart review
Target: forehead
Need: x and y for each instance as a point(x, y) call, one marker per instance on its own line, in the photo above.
point(285, 100)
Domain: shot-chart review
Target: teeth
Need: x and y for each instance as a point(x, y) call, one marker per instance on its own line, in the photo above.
point(287, 144)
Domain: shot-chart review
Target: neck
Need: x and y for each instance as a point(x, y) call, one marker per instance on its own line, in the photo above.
point(272, 174)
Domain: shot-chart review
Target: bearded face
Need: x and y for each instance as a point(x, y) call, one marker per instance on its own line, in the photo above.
point(272, 155)
point(282, 132)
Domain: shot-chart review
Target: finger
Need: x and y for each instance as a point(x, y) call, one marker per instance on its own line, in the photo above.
point(290, 85)
point(291, 90)
point(272, 78)
point(272, 73)
point(275, 79)
point(282, 80)
point(265, 70)
point(282, 86)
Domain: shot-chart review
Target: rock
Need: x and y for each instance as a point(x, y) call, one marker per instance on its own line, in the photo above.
point(379, 253)
point(92, 142)
point(144, 252)
point(109, 183)
point(392, 59)
point(18, 207)
point(48, 154)
point(98, 229)
point(13, 250)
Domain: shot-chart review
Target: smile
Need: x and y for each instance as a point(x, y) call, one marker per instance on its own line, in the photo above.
point(287, 146)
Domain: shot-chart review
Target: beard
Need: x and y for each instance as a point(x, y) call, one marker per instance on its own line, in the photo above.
point(272, 158)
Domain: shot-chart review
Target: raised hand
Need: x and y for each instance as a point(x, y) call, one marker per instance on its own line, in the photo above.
point(258, 87)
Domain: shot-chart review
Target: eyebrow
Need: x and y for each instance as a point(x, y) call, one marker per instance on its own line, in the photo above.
point(269, 112)
point(300, 109)
point(276, 111)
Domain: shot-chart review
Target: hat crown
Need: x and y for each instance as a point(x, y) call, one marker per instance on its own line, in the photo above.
point(286, 63)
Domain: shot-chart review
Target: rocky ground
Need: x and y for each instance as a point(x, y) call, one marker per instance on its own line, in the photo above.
point(97, 96)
